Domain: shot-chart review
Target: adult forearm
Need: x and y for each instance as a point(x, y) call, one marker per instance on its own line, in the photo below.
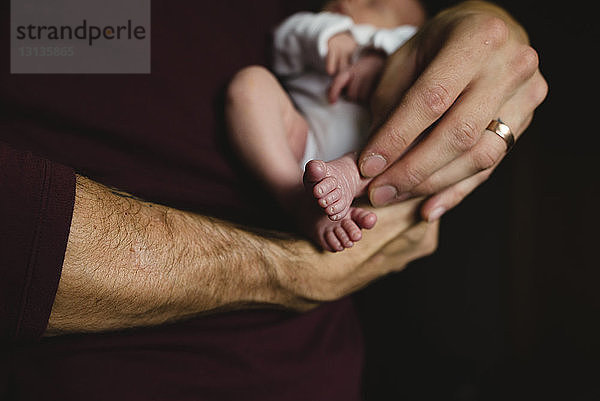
point(131, 263)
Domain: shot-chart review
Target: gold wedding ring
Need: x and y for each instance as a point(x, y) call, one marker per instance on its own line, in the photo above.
point(503, 131)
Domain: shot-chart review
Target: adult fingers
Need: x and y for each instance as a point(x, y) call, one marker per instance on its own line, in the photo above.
point(397, 77)
point(418, 241)
point(460, 128)
point(459, 171)
point(432, 94)
point(434, 207)
point(456, 134)
point(486, 153)
point(481, 155)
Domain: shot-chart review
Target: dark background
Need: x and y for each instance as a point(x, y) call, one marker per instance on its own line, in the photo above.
point(508, 308)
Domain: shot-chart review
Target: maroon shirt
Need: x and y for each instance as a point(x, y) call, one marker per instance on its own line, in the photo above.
point(159, 136)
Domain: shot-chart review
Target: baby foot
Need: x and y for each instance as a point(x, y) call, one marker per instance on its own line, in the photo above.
point(343, 234)
point(335, 236)
point(334, 184)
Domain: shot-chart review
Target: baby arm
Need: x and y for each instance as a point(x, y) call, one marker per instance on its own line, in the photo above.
point(359, 81)
point(340, 51)
point(303, 42)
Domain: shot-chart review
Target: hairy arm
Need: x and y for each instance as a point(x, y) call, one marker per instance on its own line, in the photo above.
point(131, 263)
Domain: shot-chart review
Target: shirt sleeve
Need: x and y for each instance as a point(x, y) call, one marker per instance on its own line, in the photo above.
point(386, 40)
point(36, 205)
point(301, 41)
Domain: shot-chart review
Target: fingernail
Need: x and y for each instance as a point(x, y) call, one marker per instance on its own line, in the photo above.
point(383, 195)
point(372, 165)
point(404, 196)
point(436, 214)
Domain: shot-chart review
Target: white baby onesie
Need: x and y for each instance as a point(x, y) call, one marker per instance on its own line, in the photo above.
point(300, 50)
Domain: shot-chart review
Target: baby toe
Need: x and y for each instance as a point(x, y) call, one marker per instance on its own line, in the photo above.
point(330, 198)
point(352, 230)
point(364, 218)
point(333, 241)
point(342, 236)
point(324, 187)
point(315, 171)
point(337, 211)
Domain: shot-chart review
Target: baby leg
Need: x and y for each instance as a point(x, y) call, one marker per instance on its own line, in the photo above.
point(270, 135)
point(266, 130)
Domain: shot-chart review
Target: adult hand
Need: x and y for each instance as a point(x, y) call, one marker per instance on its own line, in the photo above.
point(399, 238)
point(468, 65)
point(132, 263)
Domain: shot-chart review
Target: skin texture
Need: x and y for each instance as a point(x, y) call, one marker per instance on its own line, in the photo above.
point(467, 66)
point(341, 49)
point(335, 184)
point(358, 81)
point(381, 13)
point(269, 134)
point(131, 263)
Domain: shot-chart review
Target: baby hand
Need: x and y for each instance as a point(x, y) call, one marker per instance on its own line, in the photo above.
point(359, 81)
point(341, 49)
